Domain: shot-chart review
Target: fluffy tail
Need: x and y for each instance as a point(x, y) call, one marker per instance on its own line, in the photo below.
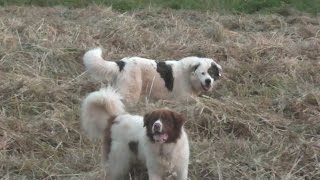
point(97, 108)
point(98, 68)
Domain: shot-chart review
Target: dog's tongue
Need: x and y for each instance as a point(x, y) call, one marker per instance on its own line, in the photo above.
point(160, 138)
point(206, 88)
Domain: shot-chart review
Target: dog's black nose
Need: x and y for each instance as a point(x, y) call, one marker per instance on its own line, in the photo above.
point(157, 127)
point(208, 81)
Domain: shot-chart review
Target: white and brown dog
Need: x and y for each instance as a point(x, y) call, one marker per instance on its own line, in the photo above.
point(158, 139)
point(135, 76)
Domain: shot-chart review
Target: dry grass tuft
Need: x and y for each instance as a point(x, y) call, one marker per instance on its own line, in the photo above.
point(261, 122)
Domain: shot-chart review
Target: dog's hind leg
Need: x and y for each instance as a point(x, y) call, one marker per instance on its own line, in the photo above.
point(182, 174)
point(119, 161)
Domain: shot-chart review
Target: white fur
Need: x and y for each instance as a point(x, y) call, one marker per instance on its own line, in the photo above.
point(140, 76)
point(159, 158)
point(93, 119)
point(103, 70)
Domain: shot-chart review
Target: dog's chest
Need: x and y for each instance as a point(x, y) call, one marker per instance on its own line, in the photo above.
point(163, 157)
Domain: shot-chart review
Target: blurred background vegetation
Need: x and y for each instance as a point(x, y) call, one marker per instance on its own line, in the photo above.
point(222, 6)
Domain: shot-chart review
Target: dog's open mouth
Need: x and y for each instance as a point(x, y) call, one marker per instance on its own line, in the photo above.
point(206, 88)
point(160, 137)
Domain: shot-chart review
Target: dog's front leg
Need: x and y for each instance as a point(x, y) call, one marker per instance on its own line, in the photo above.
point(182, 174)
point(154, 176)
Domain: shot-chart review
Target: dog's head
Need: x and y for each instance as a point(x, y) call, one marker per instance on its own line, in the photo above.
point(204, 74)
point(163, 126)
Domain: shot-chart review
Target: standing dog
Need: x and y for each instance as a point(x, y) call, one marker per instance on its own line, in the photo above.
point(137, 76)
point(158, 139)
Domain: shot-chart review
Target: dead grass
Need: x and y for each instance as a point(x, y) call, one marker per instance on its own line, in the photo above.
point(261, 122)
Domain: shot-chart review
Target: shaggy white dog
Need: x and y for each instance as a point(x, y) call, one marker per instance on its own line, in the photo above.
point(135, 76)
point(158, 139)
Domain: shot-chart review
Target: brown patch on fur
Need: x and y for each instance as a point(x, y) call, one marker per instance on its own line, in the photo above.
point(120, 64)
point(172, 124)
point(153, 84)
point(106, 143)
point(165, 72)
point(133, 146)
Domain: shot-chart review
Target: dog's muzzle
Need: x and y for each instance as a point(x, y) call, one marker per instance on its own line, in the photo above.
point(158, 135)
point(157, 127)
point(207, 86)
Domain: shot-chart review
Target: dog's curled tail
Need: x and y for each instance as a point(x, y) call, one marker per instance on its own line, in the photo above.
point(97, 108)
point(98, 68)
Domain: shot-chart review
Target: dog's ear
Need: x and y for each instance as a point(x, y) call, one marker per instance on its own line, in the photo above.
point(179, 120)
point(219, 68)
point(146, 119)
point(149, 117)
point(194, 67)
point(215, 71)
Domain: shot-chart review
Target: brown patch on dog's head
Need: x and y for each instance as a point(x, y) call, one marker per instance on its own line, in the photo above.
point(215, 71)
point(170, 123)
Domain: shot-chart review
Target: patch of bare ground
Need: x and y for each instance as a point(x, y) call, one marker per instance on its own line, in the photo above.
point(261, 121)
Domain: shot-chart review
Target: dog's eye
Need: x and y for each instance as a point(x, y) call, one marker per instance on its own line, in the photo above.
point(203, 73)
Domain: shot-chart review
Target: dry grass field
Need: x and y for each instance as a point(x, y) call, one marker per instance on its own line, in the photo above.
point(261, 122)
